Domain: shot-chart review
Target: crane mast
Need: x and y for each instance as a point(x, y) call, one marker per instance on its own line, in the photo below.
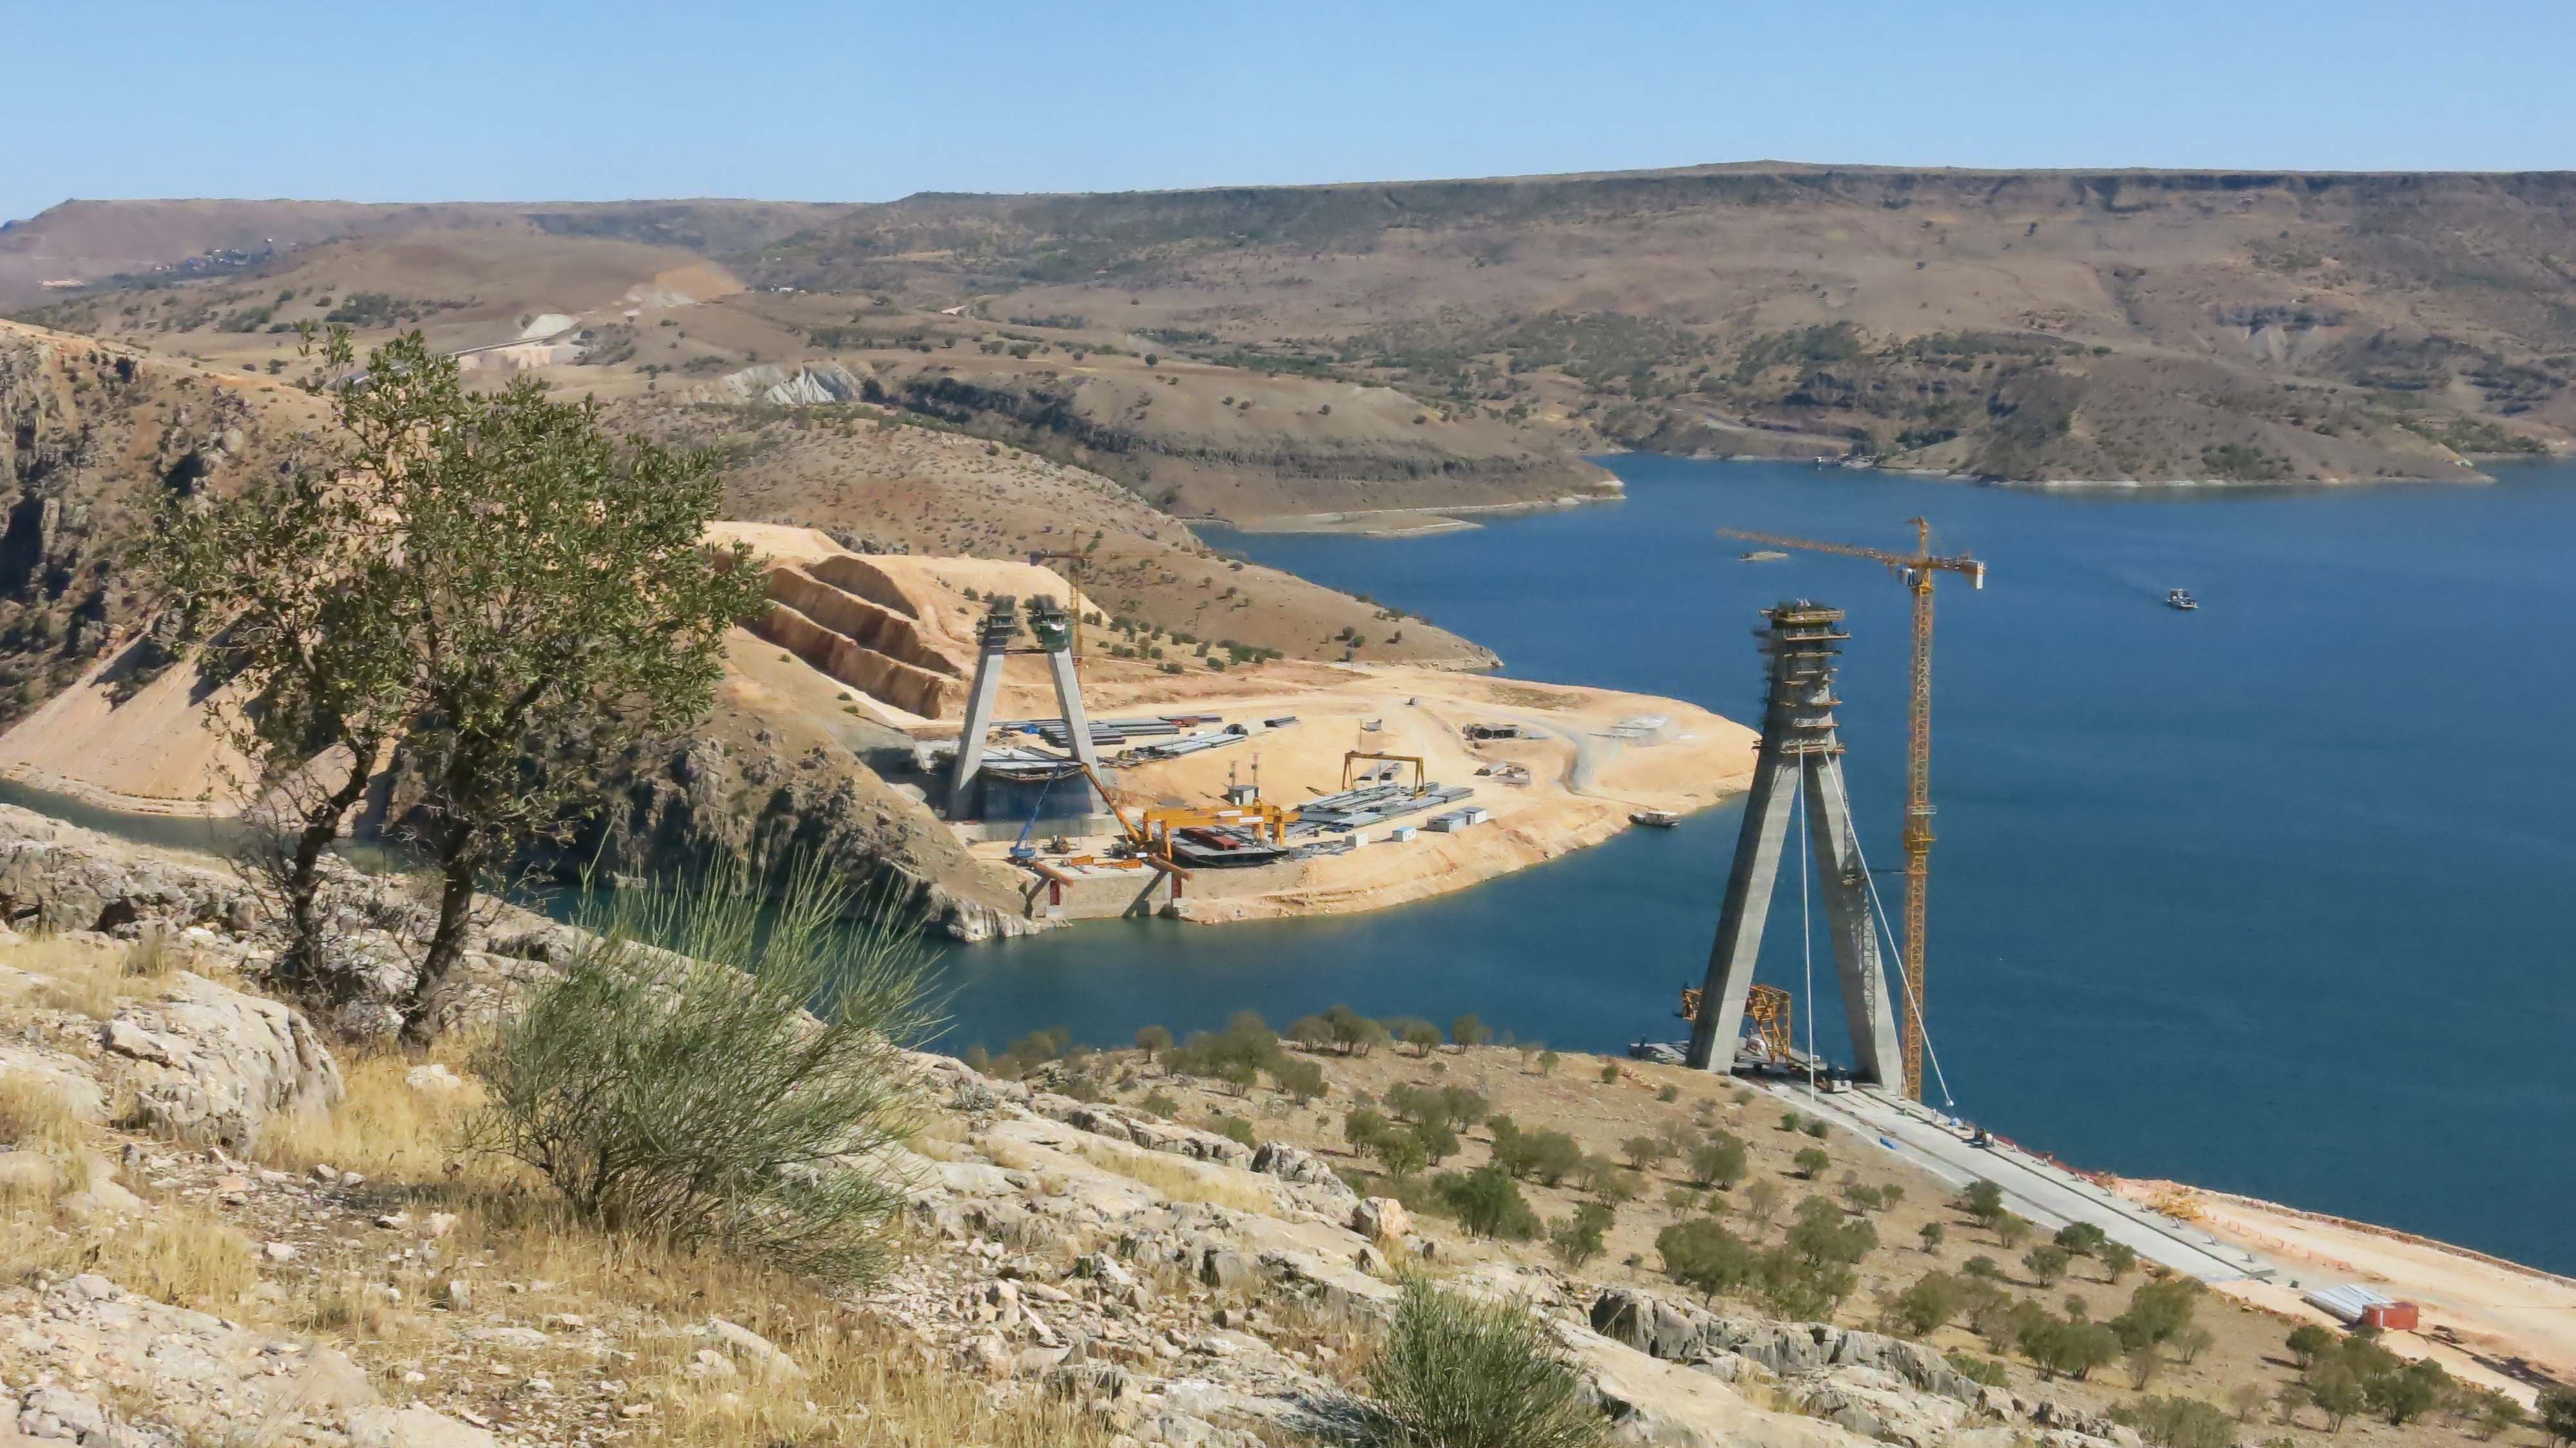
point(1916, 570)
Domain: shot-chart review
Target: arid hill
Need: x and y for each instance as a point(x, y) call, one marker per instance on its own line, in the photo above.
point(94, 434)
point(140, 241)
point(91, 434)
point(2020, 325)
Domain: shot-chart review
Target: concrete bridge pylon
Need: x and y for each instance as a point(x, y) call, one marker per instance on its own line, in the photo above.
point(1800, 749)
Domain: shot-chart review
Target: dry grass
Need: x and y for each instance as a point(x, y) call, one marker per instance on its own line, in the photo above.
point(83, 977)
point(383, 1127)
point(858, 1383)
point(349, 1305)
point(1184, 1180)
point(179, 1254)
point(34, 1116)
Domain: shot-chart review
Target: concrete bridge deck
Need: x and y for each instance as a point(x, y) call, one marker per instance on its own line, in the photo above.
point(2048, 1194)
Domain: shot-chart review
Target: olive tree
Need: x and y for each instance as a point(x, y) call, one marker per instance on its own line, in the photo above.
point(562, 609)
point(286, 592)
point(488, 582)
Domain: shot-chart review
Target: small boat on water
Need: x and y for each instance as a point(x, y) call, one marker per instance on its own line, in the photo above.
point(1662, 819)
point(2181, 598)
point(1761, 555)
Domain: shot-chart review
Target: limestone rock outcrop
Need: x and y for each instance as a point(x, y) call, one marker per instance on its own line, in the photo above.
point(210, 1064)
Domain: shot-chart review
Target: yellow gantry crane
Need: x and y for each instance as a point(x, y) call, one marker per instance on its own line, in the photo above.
point(1916, 570)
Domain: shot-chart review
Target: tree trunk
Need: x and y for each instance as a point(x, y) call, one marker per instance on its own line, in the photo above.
point(461, 865)
point(301, 964)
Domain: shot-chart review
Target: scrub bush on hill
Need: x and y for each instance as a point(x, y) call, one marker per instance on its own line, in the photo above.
point(673, 1081)
point(2558, 1414)
point(1928, 1305)
point(1487, 1202)
point(1448, 1106)
point(2178, 1422)
point(1456, 1372)
point(1717, 1162)
point(1578, 1239)
point(2358, 1373)
point(1701, 1254)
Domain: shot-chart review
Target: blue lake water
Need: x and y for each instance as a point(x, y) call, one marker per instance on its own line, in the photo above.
point(2271, 897)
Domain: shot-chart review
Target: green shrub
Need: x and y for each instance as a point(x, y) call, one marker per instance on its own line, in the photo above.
point(2081, 1239)
point(1438, 1142)
point(1703, 1255)
point(2558, 1414)
point(1577, 1239)
point(1236, 1129)
point(2073, 1349)
point(1802, 1288)
point(2158, 1310)
point(1457, 1372)
point(2308, 1342)
point(1354, 1034)
point(1487, 1202)
point(686, 1091)
point(1717, 1162)
point(2179, 1422)
point(1980, 1370)
point(1927, 1306)
point(1550, 1156)
point(1645, 1151)
point(2401, 1395)
point(1300, 1078)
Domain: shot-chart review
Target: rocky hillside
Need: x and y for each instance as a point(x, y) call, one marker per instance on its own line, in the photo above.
point(221, 1226)
point(194, 1268)
point(2118, 325)
point(98, 433)
point(2115, 325)
point(91, 436)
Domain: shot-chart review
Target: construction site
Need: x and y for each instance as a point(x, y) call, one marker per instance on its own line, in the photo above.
point(1112, 785)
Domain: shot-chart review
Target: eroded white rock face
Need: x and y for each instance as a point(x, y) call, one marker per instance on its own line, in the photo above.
point(210, 1064)
point(115, 1369)
point(412, 1427)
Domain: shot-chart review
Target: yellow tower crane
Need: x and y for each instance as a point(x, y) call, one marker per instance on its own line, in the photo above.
point(1916, 570)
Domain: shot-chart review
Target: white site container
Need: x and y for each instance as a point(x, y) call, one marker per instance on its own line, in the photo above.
point(1400, 833)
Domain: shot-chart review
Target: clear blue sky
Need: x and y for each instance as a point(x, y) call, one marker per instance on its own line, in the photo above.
point(539, 101)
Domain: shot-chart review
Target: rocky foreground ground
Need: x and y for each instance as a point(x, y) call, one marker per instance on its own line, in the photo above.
point(186, 1267)
point(224, 1222)
point(1172, 1285)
